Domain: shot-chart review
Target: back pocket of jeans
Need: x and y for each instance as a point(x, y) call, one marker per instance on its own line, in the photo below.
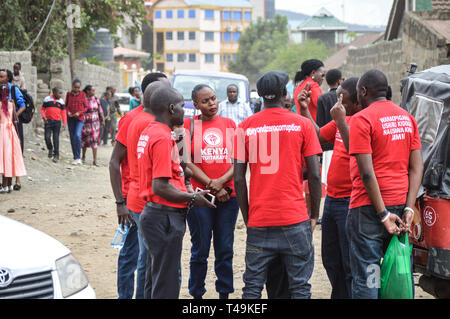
point(369, 226)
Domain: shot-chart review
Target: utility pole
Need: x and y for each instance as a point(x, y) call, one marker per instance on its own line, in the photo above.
point(70, 38)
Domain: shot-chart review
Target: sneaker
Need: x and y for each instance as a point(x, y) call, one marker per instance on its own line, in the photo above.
point(50, 154)
point(76, 162)
point(9, 189)
point(55, 159)
point(2, 190)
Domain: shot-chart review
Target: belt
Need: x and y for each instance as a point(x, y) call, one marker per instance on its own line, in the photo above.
point(169, 208)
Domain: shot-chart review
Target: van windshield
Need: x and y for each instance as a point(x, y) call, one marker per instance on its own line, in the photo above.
point(185, 83)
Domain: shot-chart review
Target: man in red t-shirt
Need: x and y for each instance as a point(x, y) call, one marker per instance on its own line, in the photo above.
point(273, 143)
point(162, 186)
point(132, 254)
point(386, 170)
point(335, 252)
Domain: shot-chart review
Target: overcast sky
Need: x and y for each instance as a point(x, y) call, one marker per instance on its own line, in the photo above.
point(367, 12)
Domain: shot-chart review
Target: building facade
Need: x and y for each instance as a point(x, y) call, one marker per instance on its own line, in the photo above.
point(199, 35)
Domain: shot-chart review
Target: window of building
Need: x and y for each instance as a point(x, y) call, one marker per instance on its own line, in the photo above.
point(191, 35)
point(209, 14)
point(191, 14)
point(226, 37)
point(169, 35)
point(209, 36)
point(192, 57)
point(209, 58)
point(169, 57)
point(247, 16)
point(234, 57)
point(237, 15)
point(180, 35)
point(226, 15)
point(158, 14)
point(181, 57)
point(236, 36)
point(180, 14)
point(169, 14)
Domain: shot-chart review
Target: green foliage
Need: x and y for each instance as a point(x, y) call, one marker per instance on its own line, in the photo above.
point(22, 20)
point(260, 44)
point(291, 56)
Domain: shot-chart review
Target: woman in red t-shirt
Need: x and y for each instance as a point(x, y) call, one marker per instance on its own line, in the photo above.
point(312, 74)
point(211, 145)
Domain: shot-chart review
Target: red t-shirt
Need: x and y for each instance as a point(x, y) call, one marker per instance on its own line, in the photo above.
point(273, 142)
point(214, 155)
point(389, 133)
point(339, 184)
point(139, 123)
point(316, 91)
point(158, 157)
point(121, 137)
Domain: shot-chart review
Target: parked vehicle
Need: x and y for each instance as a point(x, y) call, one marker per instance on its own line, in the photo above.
point(34, 265)
point(426, 95)
point(185, 80)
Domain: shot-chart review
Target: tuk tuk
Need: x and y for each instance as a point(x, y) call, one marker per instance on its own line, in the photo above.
point(426, 95)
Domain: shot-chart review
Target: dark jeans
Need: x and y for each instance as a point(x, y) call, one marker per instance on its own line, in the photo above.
point(75, 129)
point(127, 264)
point(105, 131)
point(368, 241)
point(293, 244)
point(142, 259)
point(335, 257)
point(277, 284)
point(163, 231)
point(51, 130)
point(217, 223)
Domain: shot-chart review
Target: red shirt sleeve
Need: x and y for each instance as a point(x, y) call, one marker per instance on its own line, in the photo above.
point(240, 152)
point(416, 143)
point(311, 145)
point(360, 139)
point(162, 158)
point(328, 131)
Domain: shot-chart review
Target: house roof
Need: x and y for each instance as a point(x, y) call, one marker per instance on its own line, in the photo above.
point(440, 4)
point(220, 3)
point(337, 59)
point(442, 27)
point(323, 20)
point(129, 53)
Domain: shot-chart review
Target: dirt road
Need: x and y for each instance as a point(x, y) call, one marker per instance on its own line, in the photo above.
point(75, 204)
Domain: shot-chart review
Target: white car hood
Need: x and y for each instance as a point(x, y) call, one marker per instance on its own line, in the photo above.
point(23, 247)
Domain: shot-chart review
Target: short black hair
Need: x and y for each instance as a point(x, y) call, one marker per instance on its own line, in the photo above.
point(163, 97)
point(333, 76)
point(197, 89)
point(375, 82)
point(350, 86)
point(10, 75)
point(389, 93)
point(76, 81)
point(233, 85)
point(56, 89)
point(151, 77)
point(87, 88)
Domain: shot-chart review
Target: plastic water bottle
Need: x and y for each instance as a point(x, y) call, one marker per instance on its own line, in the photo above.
point(120, 236)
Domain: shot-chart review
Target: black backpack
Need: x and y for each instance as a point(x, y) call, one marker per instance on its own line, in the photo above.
point(26, 115)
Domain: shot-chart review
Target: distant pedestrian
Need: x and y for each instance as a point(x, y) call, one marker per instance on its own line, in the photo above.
point(114, 111)
point(135, 99)
point(90, 136)
point(11, 159)
point(233, 107)
point(76, 106)
point(18, 78)
point(53, 111)
point(104, 101)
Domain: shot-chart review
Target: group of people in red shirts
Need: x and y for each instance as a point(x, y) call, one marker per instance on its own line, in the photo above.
point(165, 169)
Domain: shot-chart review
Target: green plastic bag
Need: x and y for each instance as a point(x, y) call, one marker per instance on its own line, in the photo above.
point(396, 279)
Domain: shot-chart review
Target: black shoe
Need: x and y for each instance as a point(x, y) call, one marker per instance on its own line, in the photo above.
point(50, 154)
point(55, 159)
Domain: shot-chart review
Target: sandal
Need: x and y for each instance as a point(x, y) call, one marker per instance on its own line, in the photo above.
point(17, 187)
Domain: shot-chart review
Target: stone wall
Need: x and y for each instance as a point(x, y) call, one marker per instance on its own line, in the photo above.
point(419, 44)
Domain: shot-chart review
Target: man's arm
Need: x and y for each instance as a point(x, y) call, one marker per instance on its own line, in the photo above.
point(240, 185)
point(315, 187)
point(415, 172)
point(118, 154)
point(367, 173)
point(338, 114)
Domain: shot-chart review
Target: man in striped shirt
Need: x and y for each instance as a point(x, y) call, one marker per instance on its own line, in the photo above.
point(232, 107)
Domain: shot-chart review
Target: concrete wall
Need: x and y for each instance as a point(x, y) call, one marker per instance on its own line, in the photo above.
point(419, 44)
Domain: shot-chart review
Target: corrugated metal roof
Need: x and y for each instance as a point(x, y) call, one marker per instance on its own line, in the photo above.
point(440, 4)
point(220, 3)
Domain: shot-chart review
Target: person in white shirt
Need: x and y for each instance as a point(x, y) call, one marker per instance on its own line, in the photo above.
point(233, 108)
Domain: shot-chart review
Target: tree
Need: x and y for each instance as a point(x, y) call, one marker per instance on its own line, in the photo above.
point(290, 58)
point(23, 19)
point(260, 43)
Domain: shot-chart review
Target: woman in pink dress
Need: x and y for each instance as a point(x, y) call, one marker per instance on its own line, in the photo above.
point(11, 159)
point(90, 135)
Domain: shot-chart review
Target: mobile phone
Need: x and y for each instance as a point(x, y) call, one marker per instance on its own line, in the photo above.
point(211, 198)
point(308, 86)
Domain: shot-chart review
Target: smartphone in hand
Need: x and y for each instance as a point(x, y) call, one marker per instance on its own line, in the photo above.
point(209, 197)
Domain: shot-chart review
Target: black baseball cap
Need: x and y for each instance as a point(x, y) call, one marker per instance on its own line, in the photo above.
point(271, 84)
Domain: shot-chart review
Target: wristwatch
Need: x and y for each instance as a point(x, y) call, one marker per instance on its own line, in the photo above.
point(383, 214)
point(120, 202)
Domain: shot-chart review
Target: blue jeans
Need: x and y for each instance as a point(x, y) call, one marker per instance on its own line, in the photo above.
point(217, 223)
point(293, 244)
point(127, 264)
point(75, 127)
point(368, 241)
point(142, 259)
point(335, 257)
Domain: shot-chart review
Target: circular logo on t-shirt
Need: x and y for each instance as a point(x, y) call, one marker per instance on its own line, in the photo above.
point(212, 139)
point(429, 216)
